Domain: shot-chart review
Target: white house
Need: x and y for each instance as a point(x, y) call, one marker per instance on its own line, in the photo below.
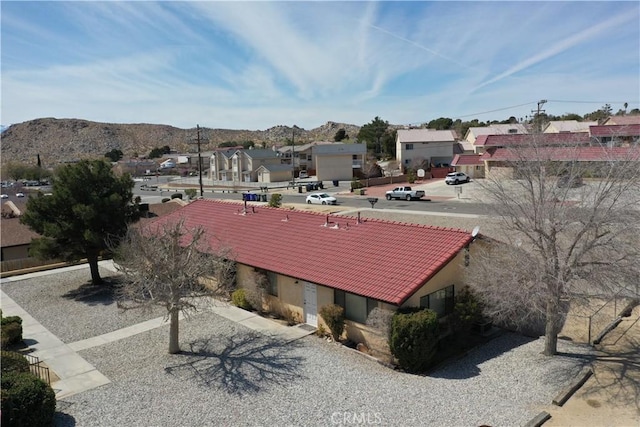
point(559, 126)
point(416, 148)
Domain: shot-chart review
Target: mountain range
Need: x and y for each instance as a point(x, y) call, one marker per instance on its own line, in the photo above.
point(64, 140)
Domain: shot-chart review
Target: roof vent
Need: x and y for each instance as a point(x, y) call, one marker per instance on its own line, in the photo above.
point(286, 219)
point(336, 226)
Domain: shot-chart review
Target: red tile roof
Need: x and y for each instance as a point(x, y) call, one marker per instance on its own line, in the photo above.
point(540, 139)
point(383, 260)
point(580, 154)
point(615, 130)
point(466, 160)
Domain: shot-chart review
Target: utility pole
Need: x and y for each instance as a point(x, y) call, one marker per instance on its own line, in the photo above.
point(199, 160)
point(536, 115)
point(293, 152)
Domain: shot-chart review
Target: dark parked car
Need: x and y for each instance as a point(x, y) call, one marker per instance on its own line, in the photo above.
point(569, 181)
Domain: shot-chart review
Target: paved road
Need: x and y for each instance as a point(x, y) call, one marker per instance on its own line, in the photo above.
point(441, 198)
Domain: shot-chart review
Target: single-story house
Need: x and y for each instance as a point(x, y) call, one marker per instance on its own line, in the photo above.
point(309, 260)
point(558, 126)
point(616, 135)
point(497, 129)
point(471, 164)
point(623, 120)
point(274, 173)
point(499, 161)
point(424, 148)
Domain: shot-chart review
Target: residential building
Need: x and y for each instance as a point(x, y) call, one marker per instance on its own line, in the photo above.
point(560, 126)
point(616, 135)
point(358, 264)
point(623, 120)
point(497, 129)
point(471, 164)
point(425, 148)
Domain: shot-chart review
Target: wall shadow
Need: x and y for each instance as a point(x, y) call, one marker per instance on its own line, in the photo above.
point(241, 364)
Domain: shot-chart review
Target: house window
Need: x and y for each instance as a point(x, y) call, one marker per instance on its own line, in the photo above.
point(409, 146)
point(354, 157)
point(272, 283)
point(439, 301)
point(309, 157)
point(356, 307)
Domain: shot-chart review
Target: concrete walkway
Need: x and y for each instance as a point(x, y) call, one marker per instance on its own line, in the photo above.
point(77, 375)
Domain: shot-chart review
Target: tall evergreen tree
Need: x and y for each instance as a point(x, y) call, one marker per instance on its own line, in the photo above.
point(89, 205)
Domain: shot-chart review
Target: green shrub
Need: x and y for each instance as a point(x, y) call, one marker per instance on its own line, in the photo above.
point(355, 184)
point(11, 334)
point(276, 200)
point(191, 193)
point(13, 362)
point(333, 316)
point(11, 319)
point(27, 401)
point(239, 299)
point(176, 196)
point(467, 310)
point(411, 176)
point(414, 338)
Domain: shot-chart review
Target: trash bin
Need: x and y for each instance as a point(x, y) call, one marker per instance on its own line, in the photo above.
point(264, 197)
point(335, 183)
point(300, 189)
point(309, 187)
point(321, 185)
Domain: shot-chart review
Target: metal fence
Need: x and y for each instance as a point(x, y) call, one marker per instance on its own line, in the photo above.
point(36, 368)
point(585, 322)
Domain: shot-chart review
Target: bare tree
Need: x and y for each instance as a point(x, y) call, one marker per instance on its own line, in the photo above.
point(564, 239)
point(173, 266)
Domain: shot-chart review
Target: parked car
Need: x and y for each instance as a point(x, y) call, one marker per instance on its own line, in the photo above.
point(456, 178)
point(569, 181)
point(405, 193)
point(4, 196)
point(321, 199)
point(303, 174)
point(19, 194)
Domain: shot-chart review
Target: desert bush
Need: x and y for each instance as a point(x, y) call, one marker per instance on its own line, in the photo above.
point(414, 338)
point(333, 316)
point(13, 362)
point(11, 334)
point(467, 310)
point(254, 299)
point(191, 193)
point(27, 401)
point(291, 317)
point(276, 200)
point(239, 299)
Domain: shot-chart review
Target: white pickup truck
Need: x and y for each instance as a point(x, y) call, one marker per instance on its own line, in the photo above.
point(405, 193)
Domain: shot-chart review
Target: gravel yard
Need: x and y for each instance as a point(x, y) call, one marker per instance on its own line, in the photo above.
point(230, 375)
point(70, 307)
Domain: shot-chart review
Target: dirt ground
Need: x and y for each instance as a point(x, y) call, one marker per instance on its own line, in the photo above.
point(611, 397)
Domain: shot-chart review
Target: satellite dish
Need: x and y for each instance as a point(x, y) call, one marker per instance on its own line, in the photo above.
point(475, 231)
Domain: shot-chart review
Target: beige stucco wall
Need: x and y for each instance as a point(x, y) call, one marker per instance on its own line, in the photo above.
point(495, 170)
point(451, 274)
point(422, 151)
point(330, 168)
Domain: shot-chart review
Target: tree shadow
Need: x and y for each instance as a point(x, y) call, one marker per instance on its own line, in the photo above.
point(467, 365)
point(62, 419)
point(616, 377)
point(91, 294)
point(240, 364)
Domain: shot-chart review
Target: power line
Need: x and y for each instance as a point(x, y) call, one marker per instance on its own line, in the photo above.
point(498, 109)
point(589, 102)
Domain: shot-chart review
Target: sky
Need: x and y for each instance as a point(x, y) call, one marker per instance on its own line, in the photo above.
point(254, 65)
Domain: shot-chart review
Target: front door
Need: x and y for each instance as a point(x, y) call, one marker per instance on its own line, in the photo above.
point(310, 304)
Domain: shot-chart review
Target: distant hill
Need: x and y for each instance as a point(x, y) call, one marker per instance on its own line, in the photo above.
point(64, 140)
